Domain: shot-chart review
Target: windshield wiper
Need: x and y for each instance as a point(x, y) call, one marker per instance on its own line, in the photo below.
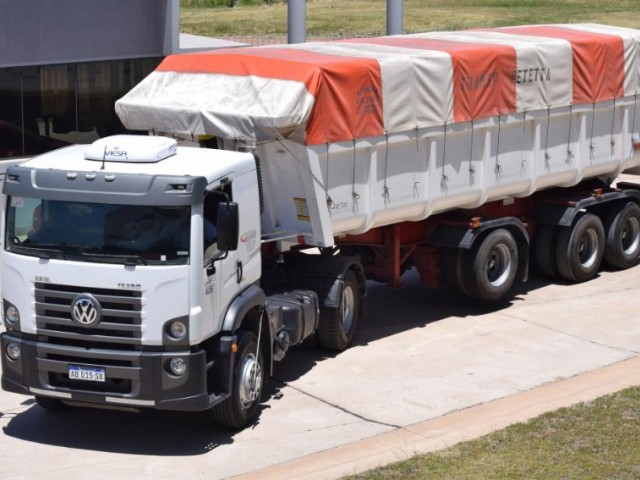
point(42, 251)
point(129, 259)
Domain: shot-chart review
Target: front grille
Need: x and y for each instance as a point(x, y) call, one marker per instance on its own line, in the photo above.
point(121, 322)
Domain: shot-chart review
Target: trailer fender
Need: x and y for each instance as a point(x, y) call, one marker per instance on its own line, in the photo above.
point(465, 237)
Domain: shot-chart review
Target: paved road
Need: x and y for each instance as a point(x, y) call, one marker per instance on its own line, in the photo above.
point(427, 365)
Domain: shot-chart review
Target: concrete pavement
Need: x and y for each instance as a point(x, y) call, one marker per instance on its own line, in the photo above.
point(428, 369)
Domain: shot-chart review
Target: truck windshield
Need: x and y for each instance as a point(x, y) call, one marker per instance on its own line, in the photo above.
point(98, 232)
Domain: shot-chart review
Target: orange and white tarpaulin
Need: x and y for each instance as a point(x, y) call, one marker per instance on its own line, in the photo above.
point(316, 93)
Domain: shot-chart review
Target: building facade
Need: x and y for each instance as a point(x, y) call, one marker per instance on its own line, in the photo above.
point(64, 63)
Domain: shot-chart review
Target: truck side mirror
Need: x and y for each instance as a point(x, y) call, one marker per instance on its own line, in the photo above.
point(228, 226)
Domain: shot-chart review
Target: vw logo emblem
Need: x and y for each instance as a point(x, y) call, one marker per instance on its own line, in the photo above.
point(85, 310)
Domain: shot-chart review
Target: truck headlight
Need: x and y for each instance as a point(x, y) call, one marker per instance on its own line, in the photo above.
point(178, 366)
point(177, 330)
point(13, 350)
point(11, 314)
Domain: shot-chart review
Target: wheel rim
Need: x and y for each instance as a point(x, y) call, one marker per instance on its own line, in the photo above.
point(630, 236)
point(588, 249)
point(499, 265)
point(348, 308)
point(250, 380)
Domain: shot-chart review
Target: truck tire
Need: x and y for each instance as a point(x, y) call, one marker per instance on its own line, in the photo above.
point(580, 248)
point(51, 404)
point(249, 381)
point(337, 326)
point(545, 250)
point(490, 267)
point(622, 245)
point(451, 270)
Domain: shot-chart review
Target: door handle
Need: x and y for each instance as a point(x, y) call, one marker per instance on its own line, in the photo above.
point(239, 272)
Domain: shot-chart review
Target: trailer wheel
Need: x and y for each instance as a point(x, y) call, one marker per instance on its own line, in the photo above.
point(580, 248)
point(337, 326)
point(249, 381)
point(545, 250)
point(622, 246)
point(451, 270)
point(51, 404)
point(490, 267)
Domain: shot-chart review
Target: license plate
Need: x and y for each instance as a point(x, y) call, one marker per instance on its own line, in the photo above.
point(88, 374)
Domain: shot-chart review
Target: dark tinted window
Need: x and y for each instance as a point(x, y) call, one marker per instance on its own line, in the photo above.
point(98, 232)
point(50, 106)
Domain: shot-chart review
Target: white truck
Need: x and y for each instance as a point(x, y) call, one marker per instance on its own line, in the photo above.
point(149, 271)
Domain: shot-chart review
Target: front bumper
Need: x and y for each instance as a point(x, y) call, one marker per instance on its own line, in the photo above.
point(139, 379)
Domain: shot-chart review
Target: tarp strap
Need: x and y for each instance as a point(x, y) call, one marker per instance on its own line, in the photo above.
point(633, 125)
point(569, 152)
point(523, 157)
point(472, 169)
point(592, 146)
point(613, 121)
point(498, 166)
point(385, 190)
point(444, 179)
point(330, 203)
point(354, 194)
point(547, 157)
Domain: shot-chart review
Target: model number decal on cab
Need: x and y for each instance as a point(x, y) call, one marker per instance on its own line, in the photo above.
point(129, 286)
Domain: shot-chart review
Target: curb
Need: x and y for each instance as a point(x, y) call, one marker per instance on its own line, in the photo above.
point(455, 427)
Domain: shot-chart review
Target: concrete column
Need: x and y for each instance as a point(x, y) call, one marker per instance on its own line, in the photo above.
point(171, 12)
point(297, 21)
point(395, 14)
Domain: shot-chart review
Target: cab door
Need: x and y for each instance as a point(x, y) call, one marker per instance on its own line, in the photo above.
point(213, 264)
point(239, 267)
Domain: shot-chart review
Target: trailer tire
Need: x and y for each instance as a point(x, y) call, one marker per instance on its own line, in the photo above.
point(337, 326)
point(451, 270)
point(52, 405)
point(622, 227)
point(545, 250)
point(580, 248)
point(490, 267)
point(249, 381)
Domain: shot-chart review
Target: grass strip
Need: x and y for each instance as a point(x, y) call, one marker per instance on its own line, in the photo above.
point(593, 440)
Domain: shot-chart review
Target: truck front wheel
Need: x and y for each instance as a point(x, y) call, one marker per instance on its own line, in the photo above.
point(249, 379)
point(337, 326)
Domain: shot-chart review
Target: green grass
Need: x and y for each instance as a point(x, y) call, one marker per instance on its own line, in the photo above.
point(594, 440)
point(366, 17)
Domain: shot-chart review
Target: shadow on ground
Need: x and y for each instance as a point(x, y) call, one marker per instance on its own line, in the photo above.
point(146, 433)
point(388, 312)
